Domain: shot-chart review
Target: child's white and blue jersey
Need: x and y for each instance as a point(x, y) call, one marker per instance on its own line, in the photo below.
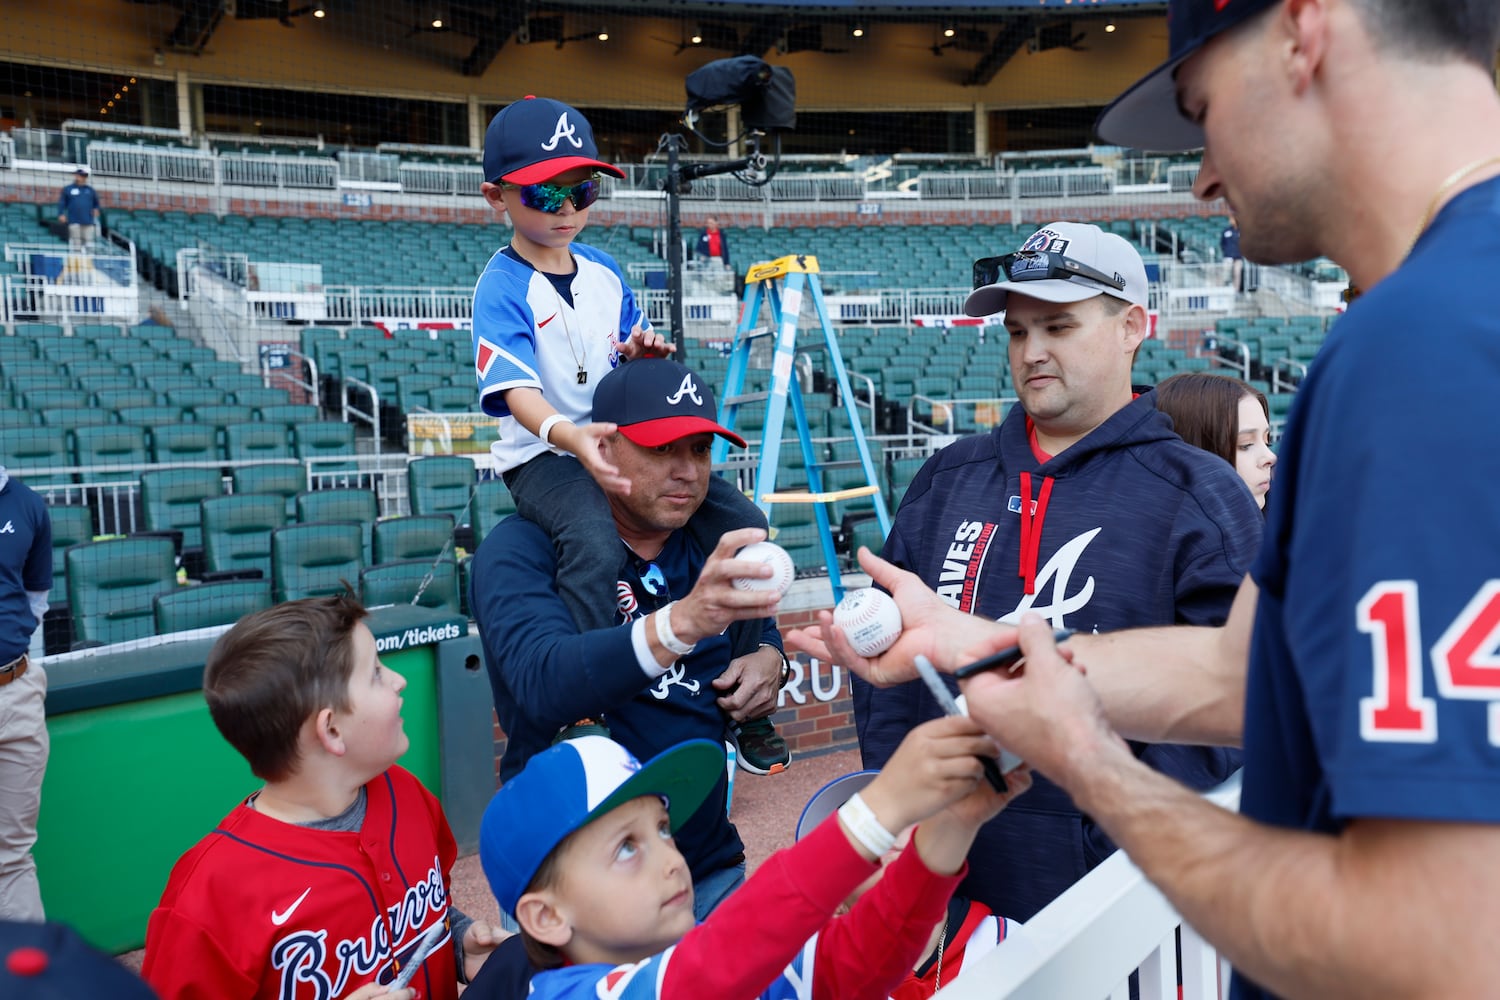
point(1374, 685)
point(531, 331)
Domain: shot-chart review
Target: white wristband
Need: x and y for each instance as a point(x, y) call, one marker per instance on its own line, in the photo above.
point(545, 431)
point(862, 825)
point(665, 635)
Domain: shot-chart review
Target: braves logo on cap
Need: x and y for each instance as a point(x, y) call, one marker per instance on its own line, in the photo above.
point(1045, 240)
point(563, 130)
point(688, 388)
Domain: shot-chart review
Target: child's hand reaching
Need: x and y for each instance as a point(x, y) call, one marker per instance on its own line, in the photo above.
point(645, 344)
point(583, 443)
point(943, 841)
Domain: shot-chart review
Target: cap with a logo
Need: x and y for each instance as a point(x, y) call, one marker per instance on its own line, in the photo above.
point(569, 785)
point(82, 170)
point(656, 401)
point(1147, 115)
point(52, 962)
point(1084, 243)
point(537, 138)
point(826, 800)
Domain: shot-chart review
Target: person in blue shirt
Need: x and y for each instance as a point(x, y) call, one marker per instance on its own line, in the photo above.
point(78, 206)
point(665, 671)
point(1229, 246)
point(1358, 665)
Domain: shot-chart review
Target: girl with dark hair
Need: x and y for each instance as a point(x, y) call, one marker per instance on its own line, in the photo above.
point(1225, 416)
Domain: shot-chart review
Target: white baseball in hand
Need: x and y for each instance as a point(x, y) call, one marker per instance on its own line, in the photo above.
point(869, 619)
point(774, 556)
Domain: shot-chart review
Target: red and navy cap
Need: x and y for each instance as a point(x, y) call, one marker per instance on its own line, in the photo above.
point(1147, 115)
point(655, 401)
point(51, 962)
point(535, 139)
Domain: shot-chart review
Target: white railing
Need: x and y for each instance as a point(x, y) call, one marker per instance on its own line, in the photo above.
point(152, 163)
point(1086, 943)
point(355, 304)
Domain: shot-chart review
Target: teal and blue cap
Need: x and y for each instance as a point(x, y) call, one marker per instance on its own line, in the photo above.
point(569, 785)
point(1147, 115)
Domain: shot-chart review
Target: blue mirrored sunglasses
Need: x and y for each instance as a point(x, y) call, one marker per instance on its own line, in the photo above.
point(549, 197)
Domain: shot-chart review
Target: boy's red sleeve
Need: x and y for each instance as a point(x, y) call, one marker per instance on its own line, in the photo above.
point(745, 943)
point(184, 962)
point(869, 951)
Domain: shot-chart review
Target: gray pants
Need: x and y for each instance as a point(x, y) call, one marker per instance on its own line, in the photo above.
point(23, 760)
point(81, 235)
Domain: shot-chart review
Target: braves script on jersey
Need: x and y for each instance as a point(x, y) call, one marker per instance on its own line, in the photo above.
point(1374, 685)
point(270, 910)
point(1130, 526)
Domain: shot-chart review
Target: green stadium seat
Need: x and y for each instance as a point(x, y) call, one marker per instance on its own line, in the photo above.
point(175, 442)
point(237, 532)
point(207, 604)
point(402, 582)
point(110, 444)
point(260, 397)
point(255, 441)
point(416, 536)
point(112, 584)
point(71, 525)
point(283, 479)
point(441, 484)
point(318, 441)
point(23, 449)
point(315, 560)
point(492, 504)
point(172, 500)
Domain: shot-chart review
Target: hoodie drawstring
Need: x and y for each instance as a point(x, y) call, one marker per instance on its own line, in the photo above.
point(1031, 528)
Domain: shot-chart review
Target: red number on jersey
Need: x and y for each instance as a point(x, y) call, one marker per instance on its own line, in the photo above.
point(1464, 662)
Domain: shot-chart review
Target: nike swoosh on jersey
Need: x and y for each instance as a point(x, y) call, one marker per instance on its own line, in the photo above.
point(547, 320)
point(280, 918)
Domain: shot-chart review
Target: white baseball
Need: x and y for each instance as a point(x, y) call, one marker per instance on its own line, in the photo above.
point(870, 620)
point(774, 556)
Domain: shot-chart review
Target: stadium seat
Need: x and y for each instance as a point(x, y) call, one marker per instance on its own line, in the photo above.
point(184, 443)
point(112, 584)
point(120, 399)
point(400, 582)
point(195, 397)
point(283, 479)
point(237, 533)
point(492, 504)
point(441, 484)
point(254, 441)
point(70, 526)
point(321, 443)
point(208, 604)
point(259, 397)
point(416, 536)
point(453, 399)
point(315, 560)
point(287, 415)
point(26, 448)
point(172, 500)
point(338, 505)
point(110, 444)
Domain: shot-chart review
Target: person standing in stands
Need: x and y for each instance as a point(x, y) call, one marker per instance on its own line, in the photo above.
point(713, 244)
point(1082, 506)
point(25, 581)
point(78, 206)
point(1224, 416)
point(1229, 246)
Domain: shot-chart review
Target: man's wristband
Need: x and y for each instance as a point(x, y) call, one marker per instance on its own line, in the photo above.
point(665, 635)
point(545, 431)
point(859, 819)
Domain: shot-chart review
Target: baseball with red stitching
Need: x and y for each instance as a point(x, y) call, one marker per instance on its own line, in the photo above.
point(772, 555)
point(869, 619)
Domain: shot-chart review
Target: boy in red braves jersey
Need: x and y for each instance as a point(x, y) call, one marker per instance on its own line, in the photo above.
point(578, 847)
point(329, 880)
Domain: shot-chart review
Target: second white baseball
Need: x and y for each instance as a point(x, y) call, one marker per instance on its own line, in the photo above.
point(870, 620)
point(773, 555)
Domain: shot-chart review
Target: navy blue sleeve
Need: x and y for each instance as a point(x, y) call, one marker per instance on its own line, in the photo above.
point(36, 575)
point(544, 673)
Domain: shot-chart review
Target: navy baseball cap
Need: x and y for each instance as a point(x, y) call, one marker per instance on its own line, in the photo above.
point(535, 139)
point(569, 785)
point(655, 401)
point(1147, 116)
point(52, 962)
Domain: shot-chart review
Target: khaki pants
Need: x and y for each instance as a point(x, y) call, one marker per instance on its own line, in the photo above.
point(23, 760)
point(81, 236)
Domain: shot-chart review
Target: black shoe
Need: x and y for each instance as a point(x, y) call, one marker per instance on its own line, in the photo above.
point(583, 727)
point(759, 747)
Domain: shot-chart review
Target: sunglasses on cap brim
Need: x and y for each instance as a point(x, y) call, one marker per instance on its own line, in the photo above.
point(1038, 265)
point(549, 197)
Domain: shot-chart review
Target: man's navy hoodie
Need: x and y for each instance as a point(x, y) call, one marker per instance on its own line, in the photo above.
point(1129, 527)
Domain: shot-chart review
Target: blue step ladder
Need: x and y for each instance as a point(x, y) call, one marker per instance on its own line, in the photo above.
point(781, 286)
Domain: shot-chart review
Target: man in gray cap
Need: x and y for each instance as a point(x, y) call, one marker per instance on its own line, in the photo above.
point(1083, 506)
point(1358, 665)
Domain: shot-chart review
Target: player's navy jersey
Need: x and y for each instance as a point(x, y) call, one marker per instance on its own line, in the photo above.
point(1373, 687)
point(270, 910)
point(545, 674)
point(1129, 527)
point(25, 562)
point(527, 334)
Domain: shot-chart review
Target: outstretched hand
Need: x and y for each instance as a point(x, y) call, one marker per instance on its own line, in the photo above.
point(929, 627)
point(583, 441)
point(645, 344)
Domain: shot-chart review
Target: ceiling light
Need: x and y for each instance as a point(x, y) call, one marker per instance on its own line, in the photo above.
point(319, 10)
point(858, 31)
point(1110, 26)
point(697, 36)
point(949, 30)
point(603, 34)
point(437, 22)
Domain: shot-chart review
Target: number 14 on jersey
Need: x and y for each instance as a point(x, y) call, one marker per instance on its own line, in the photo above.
point(1464, 664)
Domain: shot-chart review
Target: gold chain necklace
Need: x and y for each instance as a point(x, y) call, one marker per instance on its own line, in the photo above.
point(1449, 183)
point(937, 981)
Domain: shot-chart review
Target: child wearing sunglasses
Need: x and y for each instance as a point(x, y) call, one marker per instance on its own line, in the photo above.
point(551, 318)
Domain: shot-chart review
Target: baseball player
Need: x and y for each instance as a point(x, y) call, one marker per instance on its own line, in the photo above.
point(578, 847)
point(1358, 663)
point(333, 878)
point(552, 317)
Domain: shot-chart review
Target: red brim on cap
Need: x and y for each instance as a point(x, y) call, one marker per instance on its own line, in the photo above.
point(665, 430)
point(548, 169)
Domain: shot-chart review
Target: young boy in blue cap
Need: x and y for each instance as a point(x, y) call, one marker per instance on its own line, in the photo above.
point(578, 847)
point(551, 318)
